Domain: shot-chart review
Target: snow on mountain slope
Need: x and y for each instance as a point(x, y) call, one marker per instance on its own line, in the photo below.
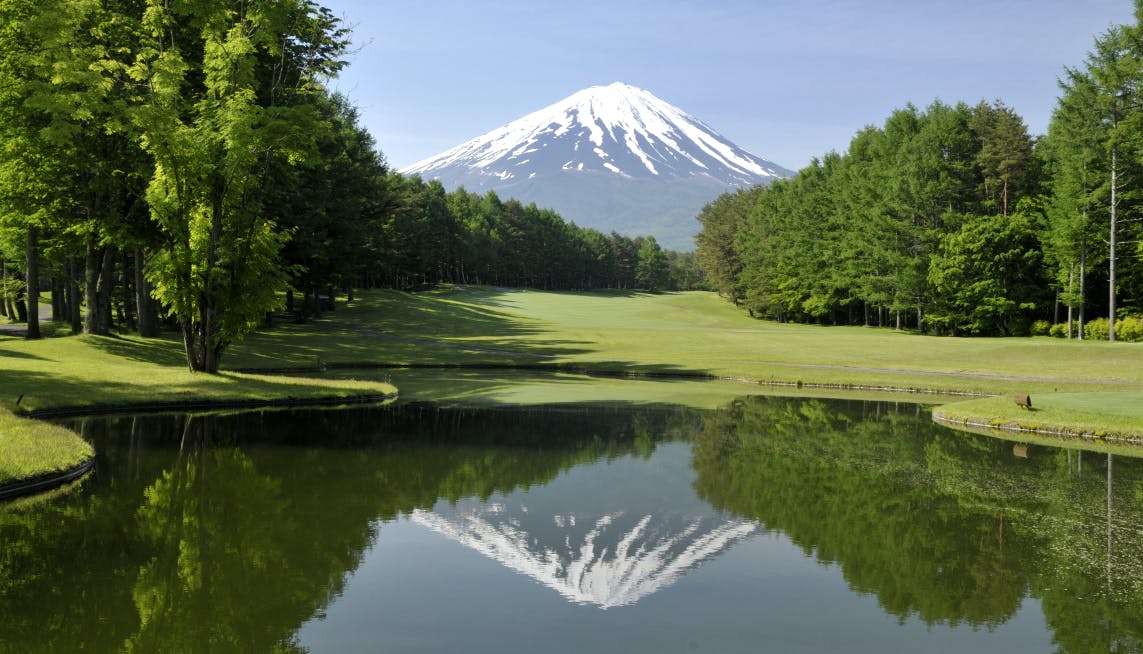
point(618, 128)
point(590, 141)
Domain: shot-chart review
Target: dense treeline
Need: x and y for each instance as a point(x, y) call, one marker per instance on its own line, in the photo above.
point(429, 236)
point(186, 161)
point(953, 219)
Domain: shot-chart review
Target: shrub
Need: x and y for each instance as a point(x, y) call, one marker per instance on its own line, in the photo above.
point(1129, 329)
point(1059, 331)
point(1041, 328)
point(1096, 330)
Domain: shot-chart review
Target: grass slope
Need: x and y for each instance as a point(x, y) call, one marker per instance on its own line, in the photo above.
point(30, 448)
point(1100, 384)
point(89, 372)
point(682, 333)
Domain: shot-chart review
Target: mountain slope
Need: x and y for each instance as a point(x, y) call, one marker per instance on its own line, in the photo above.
point(610, 157)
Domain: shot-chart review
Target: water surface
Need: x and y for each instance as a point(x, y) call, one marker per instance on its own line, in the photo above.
point(773, 524)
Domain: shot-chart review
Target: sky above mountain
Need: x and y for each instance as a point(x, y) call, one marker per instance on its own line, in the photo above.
point(787, 80)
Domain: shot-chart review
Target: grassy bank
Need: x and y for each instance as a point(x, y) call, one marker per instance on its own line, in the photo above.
point(92, 373)
point(29, 448)
point(1097, 416)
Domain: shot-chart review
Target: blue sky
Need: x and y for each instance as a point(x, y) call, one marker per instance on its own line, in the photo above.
point(786, 79)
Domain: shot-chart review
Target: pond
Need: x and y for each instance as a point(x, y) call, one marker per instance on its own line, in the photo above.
point(771, 524)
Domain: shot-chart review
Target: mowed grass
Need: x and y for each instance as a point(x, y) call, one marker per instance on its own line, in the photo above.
point(1099, 385)
point(29, 448)
point(88, 372)
point(93, 371)
point(682, 333)
point(1110, 416)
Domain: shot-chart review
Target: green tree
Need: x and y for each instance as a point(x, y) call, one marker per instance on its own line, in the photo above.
point(986, 276)
point(651, 271)
point(228, 97)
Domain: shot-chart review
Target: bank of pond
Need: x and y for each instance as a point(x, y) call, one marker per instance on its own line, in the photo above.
point(805, 524)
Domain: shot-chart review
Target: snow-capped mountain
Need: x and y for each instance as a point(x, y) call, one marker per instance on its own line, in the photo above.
point(611, 157)
point(605, 560)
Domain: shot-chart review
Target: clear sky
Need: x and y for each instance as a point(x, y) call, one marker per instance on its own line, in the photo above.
point(786, 79)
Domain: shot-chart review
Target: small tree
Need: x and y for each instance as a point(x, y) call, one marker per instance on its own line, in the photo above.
point(652, 270)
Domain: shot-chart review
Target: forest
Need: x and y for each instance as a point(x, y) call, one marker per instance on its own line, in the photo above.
point(185, 165)
point(954, 220)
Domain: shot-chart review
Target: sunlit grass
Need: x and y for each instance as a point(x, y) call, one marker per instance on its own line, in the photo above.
point(682, 333)
point(130, 373)
point(1115, 416)
point(29, 448)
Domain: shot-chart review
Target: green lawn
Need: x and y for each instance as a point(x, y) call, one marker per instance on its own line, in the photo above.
point(669, 334)
point(700, 333)
point(88, 372)
point(682, 333)
point(29, 448)
point(1105, 416)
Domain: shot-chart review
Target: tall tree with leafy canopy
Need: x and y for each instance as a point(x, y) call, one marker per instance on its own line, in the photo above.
point(228, 96)
point(1005, 156)
point(1102, 107)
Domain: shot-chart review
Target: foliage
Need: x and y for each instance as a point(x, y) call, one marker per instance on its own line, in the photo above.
point(1129, 328)
point(901, 229)
point(1041, 328)
point(1058, 330)
point(1096, 330)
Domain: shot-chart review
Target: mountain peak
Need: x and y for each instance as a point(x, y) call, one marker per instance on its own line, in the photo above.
point(618, 129)
point(616, 136)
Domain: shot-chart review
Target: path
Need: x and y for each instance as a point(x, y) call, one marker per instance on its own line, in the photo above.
point(21, 329)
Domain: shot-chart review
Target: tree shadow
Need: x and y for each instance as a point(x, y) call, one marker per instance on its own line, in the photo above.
point(163, 350)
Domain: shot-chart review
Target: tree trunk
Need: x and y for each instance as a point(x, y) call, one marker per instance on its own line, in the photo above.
point(33, 277)
point(1082, 290)
point(58, 309)
point(4, 288)
point(1071, 292)
point(145, 305)
point(127, 299)
point(74, 313)
point(1111, 250)
point(98, 270)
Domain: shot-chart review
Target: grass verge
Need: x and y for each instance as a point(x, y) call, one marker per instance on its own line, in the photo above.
point(31, 448)
point(90, 374)
point(1092, 416)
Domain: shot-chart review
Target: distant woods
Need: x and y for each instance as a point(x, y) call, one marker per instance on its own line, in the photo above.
point(183, 163)
point(954, 220)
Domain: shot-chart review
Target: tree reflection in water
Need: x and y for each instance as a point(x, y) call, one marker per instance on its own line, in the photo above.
point(227, 533)
point(945, 526)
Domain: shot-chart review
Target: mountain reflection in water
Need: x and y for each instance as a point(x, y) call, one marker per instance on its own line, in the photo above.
point(809, 525)
point(603, 559)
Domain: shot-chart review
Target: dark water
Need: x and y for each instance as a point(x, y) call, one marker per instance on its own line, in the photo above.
point(781, 525)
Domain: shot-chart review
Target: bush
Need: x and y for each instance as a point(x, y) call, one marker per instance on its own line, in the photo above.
point(1041, 328)
point(1129, 329)
point(1096, 330)
point(1059, 331)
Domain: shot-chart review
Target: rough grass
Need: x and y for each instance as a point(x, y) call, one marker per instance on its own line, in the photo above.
point(30, 448)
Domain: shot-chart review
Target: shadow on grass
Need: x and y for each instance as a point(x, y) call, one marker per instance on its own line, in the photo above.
point(165, 350)
point(10, 354)
point(395, 327)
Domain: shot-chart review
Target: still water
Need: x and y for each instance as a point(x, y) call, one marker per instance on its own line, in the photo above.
point(773, 524)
